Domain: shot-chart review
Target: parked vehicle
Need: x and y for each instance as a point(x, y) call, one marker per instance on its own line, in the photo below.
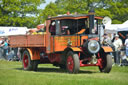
point(70, 42)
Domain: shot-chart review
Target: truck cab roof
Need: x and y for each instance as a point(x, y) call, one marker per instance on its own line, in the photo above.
point(79, 16)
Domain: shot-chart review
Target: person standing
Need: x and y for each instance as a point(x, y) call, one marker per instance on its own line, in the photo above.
point(126, 45)
point(15, 57)
point(5, 48)
point(117, 45)
point(1, 48)
point(106, 40)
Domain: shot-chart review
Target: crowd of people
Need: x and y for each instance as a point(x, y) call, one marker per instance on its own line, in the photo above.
point(6, 52)
point(9, 53)
point(120, 50)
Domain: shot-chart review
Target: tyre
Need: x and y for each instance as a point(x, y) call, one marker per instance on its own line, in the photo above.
point(72, 62)
point(35, 65)
point(27, 63)
point(106, 63)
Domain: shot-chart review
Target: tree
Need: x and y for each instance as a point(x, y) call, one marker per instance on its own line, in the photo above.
point(73, 6)
point(19, 12)
point(115, 9)
point(119, 9)
point(80, 6)
point(50, 10)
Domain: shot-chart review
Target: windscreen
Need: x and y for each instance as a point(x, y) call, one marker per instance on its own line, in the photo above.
point(74, 26)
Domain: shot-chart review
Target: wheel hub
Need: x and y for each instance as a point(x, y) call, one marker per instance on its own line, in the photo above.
point(70, 63)
point(25, 61)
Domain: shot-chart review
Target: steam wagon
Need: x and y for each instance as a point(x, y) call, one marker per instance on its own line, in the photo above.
point(70, 42)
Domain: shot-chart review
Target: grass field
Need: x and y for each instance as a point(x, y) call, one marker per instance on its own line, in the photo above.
point(11, 73)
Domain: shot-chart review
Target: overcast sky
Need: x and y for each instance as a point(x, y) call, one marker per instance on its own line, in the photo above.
point(42, 6)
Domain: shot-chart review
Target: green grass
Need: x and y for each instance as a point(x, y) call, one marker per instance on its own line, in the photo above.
point(11, 73)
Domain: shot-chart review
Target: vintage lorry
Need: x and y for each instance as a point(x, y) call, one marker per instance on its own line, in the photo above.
point(70, 42)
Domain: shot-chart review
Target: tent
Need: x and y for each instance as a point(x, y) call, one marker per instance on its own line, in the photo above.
point(123, 27)
point(123, 30)
point(112, 28)
point(7, 31)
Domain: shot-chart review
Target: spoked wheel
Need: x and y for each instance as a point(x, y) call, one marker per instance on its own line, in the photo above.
point(72, 62)
point(27, 63)
point(105, 63)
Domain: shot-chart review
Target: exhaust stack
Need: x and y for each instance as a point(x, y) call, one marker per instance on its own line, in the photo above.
point(91, 14)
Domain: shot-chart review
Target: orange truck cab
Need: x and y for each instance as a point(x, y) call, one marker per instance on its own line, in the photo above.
point(70, 42)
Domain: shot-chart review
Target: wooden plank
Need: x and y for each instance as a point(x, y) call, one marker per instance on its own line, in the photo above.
point(18, 41)
point(27, 41)
point(36, 40)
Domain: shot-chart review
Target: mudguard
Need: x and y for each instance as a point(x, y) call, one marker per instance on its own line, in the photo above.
point(107, 49)
point(76, 49)
point(34, 54)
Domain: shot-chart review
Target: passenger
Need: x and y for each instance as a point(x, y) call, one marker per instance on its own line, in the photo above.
point(52, 28)
point(65, 30)
point(31, 31)
point(40, 28)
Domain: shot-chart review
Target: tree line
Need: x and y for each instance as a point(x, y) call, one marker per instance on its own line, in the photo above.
point(27, 13)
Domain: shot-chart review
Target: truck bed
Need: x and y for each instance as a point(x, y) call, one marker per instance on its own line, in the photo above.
point(27, 41)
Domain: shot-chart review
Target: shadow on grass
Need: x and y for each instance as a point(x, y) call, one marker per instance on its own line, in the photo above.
point(58, 70)
point(19, 68)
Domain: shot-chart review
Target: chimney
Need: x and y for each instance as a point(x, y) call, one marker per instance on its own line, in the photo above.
point(91, 14)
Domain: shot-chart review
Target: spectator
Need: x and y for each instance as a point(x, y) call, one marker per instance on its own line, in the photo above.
point(15, 54)
point(113, 37)
point(126, 45)
point(106, 40)
point(124, 61)
point(117, 45)
point(5, 47)
point(1, 49)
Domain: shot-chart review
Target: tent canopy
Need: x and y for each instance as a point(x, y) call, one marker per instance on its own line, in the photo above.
point(7, 31)
point(123, 27)
point(117, 27)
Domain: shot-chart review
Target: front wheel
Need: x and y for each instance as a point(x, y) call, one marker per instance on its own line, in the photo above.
point(27, 63)
point(105, 63)
point(72, 62)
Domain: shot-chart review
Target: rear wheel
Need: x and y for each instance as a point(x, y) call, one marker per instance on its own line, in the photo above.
point(106, 63)
point(27, 63)
point(72, 62)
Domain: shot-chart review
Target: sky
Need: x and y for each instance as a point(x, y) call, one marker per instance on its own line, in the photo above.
point(42, 6)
